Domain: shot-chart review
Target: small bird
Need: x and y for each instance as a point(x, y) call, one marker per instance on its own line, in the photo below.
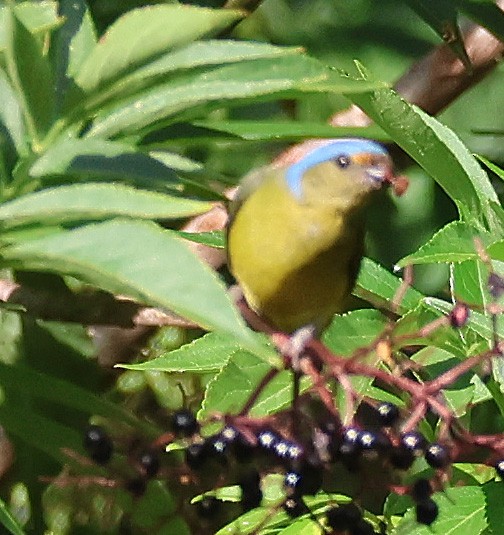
point(296, 231)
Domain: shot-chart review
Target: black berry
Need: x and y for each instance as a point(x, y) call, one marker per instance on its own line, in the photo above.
point(413, 441)
point(98, 444)
point(287, 450)
point(349, 450)
point(499, 468)
point(306, 480)
point(411, 445)
point(268, 440)
point(362, 528)
point(343, 517)
point(437, 456)
point(426, 511)
point(292, 481)
point(421, 490)
point(388, 414)
point(196, 454)
point(217, 447)
point(149, 461)
point(295, 506)
point(250, 485)
point(136, 486)
point(208, 507)
point(372, 444)
point(184, 423)
point(241, 449)
point(401, 458)
point(229, 434)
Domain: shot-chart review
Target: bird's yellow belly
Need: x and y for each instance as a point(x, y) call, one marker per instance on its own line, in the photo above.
point(296, 266)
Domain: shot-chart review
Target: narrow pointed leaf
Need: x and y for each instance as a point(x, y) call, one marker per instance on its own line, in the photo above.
point(442, 17)
point(222, 85)
point(207, 354)
point(275, 130)
point(143, 261)
point(8, 521)
point(11, 115)
point(31, 76)
point(437, 149)
point(38, 17)
point(71, 44)
point(101, 160)
point(96, 201)
point(143, 34)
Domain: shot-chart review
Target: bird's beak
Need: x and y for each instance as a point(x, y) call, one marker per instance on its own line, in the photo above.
point(381, 170)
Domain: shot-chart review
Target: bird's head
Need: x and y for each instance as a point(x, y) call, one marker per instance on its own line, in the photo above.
point(342, 168)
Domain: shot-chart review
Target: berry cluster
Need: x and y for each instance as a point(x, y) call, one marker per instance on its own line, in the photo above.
point(331, 441)
point(308, 461)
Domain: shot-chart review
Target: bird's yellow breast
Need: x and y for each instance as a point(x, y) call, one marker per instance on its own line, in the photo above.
point(296, 262)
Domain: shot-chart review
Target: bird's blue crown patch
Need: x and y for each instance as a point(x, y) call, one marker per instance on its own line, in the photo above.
point(324, 153)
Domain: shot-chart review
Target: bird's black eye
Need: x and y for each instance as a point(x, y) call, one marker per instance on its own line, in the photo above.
point(343, 161)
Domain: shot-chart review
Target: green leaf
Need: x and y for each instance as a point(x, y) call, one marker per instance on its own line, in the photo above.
point(8, 521)
point(494, 494)
point(87, 158)
point(11, 115)
point(486, 13)
point(378, 286)
point(298, 130)
point(436, 361)
point(453, 243)
point(461, 511)
point(93, 202)
point(305, 526)
point(198, 54)
point(30, 74)
point(176, 161)
point(437, 149)
point(442, 17)
point(494, 168)
point(40, 432)
point(267, 521)
point(143, 261)
point(445, 337)
point(141, 35)
point(38, 17)
point(496, 251)
point(470, 282)
point(212, 52)
point(209, 353)
point(223, 85)
point(215, 238)
point(71, 44)
point(231, 388)
point(354, 330)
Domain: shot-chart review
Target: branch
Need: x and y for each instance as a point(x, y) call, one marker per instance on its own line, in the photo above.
point(90, 308)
